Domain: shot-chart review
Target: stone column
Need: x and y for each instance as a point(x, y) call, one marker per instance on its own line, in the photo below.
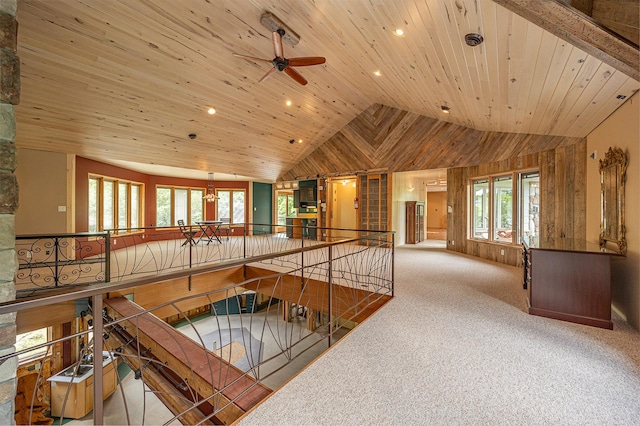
point(9, 96)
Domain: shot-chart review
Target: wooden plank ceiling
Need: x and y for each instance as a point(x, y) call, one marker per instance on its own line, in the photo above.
point(122, 80)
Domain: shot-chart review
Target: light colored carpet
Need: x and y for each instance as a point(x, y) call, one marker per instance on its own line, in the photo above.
point(456, 346)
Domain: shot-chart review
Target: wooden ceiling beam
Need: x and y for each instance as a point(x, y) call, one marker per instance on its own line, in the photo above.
point(580, 30)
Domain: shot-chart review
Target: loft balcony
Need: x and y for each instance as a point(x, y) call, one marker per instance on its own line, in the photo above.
point(211, 327)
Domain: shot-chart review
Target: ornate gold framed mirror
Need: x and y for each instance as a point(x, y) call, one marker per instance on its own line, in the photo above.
point(613, 172)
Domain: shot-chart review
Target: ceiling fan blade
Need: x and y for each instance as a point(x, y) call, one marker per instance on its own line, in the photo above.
point(277, 44)
point(295, 75)
point(304, 62)
point(267, 75)
point(251, 58)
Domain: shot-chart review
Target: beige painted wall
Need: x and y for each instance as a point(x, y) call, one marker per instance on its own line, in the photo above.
point(45, 180)
point(621, 129)
point(437, 209)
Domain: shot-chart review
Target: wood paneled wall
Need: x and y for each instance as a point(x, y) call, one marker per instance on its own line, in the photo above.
point(35, 318)
point(621, 16)
point(562, 199)
point(383, 137)
point(153, 295)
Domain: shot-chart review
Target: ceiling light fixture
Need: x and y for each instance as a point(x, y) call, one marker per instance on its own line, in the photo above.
point(445, 109)
point(398, 32)
point(299, 140)
point(377, 73)
point(288, 103)
point(210, 196)
point(211, 111)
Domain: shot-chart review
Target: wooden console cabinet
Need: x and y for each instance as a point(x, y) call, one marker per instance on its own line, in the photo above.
point(569, 281)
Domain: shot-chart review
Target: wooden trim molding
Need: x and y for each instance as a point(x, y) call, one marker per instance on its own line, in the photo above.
point(580, 30)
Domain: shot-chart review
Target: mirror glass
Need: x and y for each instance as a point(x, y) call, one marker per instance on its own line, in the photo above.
point(613, 170)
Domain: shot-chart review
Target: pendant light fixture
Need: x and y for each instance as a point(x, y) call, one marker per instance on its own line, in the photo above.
point(210, 196)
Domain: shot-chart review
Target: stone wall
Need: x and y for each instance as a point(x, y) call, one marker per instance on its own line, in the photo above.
point(9, 96)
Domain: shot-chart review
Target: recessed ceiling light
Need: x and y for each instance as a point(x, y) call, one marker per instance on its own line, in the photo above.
point(377, 73)
point(398, 32)
point(288, 103)
point(445, 109)
point(211, 111)
point(299, 140)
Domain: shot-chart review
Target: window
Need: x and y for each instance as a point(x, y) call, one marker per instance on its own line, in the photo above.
point(94, 204)
point(123, 211)
point(285, 207)
point(30, 339)
point(231, 205)
point(481, 209)
point(107, 204)
point(179, 203)
point(503, 209)
point(114, 204)
point(493, 207)
point(197, 209)
point(529, 205)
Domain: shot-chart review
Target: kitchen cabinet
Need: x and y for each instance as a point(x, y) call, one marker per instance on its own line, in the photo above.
point(298, 227)
point(80, 389)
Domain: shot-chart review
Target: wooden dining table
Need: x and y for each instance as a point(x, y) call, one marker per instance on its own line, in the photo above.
point(210, 230)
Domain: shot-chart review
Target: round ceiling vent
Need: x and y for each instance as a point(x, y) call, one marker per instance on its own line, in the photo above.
point(473, 39)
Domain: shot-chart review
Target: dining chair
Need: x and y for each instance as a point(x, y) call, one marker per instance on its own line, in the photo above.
point(187, 232)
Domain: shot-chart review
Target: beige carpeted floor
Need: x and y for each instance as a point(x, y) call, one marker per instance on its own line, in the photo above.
point(456, 346)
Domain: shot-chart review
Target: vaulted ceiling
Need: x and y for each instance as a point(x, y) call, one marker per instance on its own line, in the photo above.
point(123, 80)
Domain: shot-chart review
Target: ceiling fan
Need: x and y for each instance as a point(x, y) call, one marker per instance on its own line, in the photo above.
point(280, 63)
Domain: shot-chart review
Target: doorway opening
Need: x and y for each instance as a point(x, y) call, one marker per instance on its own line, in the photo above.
point(285, 207)
point(342, 209)
point(436, 214)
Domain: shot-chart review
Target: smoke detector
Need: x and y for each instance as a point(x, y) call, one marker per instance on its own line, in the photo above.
point(473, 39)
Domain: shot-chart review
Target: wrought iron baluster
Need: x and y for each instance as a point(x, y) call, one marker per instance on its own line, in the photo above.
point(56, 275)
point(330, 336)
point(107, 257)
